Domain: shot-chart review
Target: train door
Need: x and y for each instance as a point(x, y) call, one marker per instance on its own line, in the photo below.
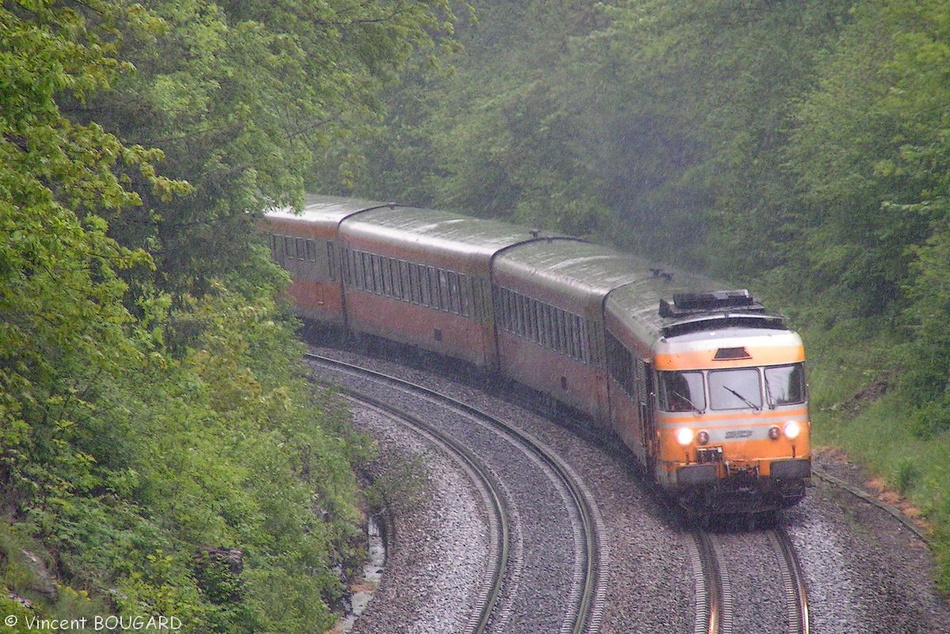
point(643, 379)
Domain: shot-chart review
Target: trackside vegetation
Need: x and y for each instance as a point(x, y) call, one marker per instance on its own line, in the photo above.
point(161, 452)
point(162, 455)
point(799, 148)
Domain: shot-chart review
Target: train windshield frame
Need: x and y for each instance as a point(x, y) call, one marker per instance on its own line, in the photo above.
point(785, 384)
point(735, 388)
point(749, 388)
point(681, 391)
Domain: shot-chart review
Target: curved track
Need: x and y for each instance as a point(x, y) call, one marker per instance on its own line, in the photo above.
point(492, 496)
point(584, 605)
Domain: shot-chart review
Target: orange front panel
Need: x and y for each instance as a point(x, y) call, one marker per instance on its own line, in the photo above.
point(704, 358)
point(439, 331)
point(744, 442)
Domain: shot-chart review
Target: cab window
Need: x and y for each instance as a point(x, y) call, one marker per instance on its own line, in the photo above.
point(785, 384)
point(735, 389)
point(681, 392)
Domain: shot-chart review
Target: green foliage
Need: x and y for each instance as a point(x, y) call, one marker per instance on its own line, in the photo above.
point(242, 98)
point(152, 401)
point(799, 147)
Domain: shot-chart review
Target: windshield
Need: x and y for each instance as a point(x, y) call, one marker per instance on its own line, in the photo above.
point(735, 389)
point(785, 384)
point(682, 392)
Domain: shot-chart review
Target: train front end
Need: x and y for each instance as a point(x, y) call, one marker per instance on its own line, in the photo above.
point(732, 422)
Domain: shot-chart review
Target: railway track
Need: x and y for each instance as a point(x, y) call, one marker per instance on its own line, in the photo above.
point(491, 493)
point(715, 605)
point(583, 605)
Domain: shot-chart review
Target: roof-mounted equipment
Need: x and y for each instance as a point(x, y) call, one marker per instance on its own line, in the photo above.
point(684, 304)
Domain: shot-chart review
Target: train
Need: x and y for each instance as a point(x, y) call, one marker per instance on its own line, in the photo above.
point(705, 386)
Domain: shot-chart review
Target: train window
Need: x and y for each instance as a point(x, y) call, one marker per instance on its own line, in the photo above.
point(351, 268)
point(527, 323)
point(538, 322)
point(531, 318)
point(450, 291)
point(366, 263)
point(308, 247)
point(516, 314)
point(360, 262)
point(550, 340)
point(301, 248)
point(620, 363)
point(331, 261)
point(405, 282)
point(560, 319)
point(465, 295)
point(347, 269)
point(359, 265)
point(544, 321)
point(785, 384)
point(378, 278)
point(289, 247)
point(681, 392)
point(501, 308)
point(392, 273)
point(507, 310)
point(351, 265)
point(412, 276)
point(422, 281)
point(584, 347)
point(415, 283)
point(435, 289)
point(735, 389)
point(384, 273)
point(356, 263)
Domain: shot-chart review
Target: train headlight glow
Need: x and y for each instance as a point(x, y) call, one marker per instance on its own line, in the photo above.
point(792, 429)
point(684, 436)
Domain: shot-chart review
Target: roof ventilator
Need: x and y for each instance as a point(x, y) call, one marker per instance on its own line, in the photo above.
point(684, 304)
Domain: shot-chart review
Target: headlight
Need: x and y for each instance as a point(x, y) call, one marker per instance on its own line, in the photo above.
point(774, 433)
point(684, 436)
point(792, 429)
point(702, 437)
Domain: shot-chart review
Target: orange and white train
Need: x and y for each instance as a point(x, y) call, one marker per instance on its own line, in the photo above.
point(704, 386)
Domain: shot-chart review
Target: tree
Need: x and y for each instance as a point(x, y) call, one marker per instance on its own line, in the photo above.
point(242, 97)
point(61, 293)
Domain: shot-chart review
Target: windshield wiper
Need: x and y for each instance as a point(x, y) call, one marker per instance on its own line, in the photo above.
point(688, 400)
point(742, 398)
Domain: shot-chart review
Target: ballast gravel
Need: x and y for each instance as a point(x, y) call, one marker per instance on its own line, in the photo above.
point(437, 535)
point(865, 571)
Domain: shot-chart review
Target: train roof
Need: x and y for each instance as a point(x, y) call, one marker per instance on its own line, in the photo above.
point(580, 272)
point(668, 304)
point(324, 210)
point(434, 231)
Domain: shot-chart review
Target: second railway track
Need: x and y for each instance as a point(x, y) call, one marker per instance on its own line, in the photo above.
point(545, 586)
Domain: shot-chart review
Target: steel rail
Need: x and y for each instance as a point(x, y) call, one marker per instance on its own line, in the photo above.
point(588, 602)
point(482, 478)
point(793, 578)
point(713, 595)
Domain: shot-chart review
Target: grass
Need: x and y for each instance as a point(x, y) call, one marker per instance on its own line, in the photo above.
point(855, 408)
